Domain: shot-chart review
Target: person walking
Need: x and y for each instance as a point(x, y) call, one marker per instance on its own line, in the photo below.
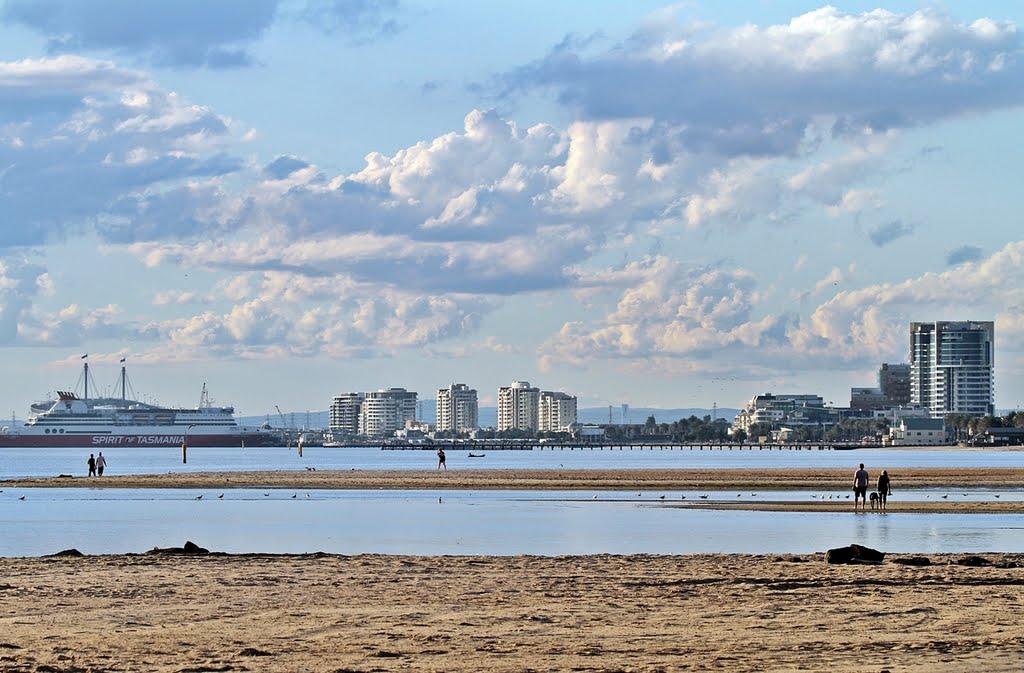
point(884, 488)
point(101, 463)
point(92, 465)
point(440, 459)
point(860, 488)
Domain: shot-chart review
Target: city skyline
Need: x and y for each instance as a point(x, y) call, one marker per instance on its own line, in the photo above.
point(663, 205)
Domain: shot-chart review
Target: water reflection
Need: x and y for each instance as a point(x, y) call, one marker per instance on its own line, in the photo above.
point(98, 521)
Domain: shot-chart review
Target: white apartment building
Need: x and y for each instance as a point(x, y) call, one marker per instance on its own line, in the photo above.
point(384, 412)
point(457, 408)
point(518, 406)
point(556, 412)
point(777, 409)
point(344, 413)
point(951, 367)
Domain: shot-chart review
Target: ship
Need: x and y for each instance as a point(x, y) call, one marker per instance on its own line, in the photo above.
point(102, 422)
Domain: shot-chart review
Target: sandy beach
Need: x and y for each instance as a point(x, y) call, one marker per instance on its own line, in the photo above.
point(593, 613)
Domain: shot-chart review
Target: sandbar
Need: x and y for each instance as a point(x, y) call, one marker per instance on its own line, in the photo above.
point(968, 490)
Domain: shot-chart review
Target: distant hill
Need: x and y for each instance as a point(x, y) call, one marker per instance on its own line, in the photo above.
point(427, 411)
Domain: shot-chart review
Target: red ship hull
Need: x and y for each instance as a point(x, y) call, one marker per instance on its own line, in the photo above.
point(154, 440)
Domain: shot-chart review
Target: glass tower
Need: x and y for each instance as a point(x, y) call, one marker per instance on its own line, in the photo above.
point(951, 365)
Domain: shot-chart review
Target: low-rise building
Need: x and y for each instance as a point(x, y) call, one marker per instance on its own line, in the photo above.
point(918, 432)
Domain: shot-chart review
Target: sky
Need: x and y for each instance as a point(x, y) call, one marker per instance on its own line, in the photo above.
point(662, 205)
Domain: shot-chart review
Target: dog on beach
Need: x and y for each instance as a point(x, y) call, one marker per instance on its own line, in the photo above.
point(876, 502)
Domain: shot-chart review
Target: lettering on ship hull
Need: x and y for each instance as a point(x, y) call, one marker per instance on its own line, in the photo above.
point(145, 440)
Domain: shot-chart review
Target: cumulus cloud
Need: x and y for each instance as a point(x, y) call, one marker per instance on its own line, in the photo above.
point(865, 70)
point(291, 314)
point(887, 232)
point(84, 153)
point(668, 317)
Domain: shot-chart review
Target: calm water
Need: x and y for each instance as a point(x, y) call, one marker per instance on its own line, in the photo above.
point(15, 463)
point(491, 522)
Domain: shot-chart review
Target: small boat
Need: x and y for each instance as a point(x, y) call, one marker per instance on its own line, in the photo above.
point(476, 455)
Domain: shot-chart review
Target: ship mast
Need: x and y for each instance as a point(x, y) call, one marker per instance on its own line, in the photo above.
point(124, 394)
point(86, 377)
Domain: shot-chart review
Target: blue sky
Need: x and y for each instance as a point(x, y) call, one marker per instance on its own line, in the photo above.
point(661, 205)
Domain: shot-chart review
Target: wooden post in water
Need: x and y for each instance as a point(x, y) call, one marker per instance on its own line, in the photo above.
point(184, 452)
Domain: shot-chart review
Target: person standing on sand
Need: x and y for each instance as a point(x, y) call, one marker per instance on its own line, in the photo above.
point(92, 466)
point(860, 488)
point(101, 463)
point(884, 488)
point(440, 459)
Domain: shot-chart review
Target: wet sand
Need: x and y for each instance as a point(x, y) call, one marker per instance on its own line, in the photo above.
point(593, 613)
point(673, 484)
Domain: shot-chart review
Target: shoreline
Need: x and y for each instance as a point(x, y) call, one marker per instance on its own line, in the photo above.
point(316, 612)
point(687, 488)
point(772, 479)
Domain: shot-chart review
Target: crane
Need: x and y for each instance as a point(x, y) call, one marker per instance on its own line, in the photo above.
point(281, 416)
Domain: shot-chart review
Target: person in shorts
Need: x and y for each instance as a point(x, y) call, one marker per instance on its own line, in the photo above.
point(860, 488)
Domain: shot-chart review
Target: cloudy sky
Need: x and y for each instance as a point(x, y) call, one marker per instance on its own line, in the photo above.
point(636, 203)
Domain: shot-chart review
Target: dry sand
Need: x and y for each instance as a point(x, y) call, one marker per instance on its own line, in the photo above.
point(593, 613)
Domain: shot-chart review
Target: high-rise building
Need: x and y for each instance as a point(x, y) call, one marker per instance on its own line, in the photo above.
point(457, 408)
point(556, 412)
point(344, 413)
point(894, 382)
point(517, 407)
point(384, 412)
point(952, 367)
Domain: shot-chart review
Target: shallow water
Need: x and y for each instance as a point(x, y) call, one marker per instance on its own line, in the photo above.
point(100, 521)
point(17, 463)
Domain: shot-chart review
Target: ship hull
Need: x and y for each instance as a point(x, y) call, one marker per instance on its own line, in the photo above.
point(143, 440)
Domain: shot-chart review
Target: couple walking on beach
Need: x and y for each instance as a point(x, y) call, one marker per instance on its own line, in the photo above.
point(96, 465)
point(861, 478)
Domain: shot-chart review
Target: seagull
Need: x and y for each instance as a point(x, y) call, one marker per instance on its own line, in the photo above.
point(23, 497)
point(682, 497)
point(703, 497)
point(945, 496)
point(265, 495)
point(661, 497)
point(307, 495)
point(295, 495)
point(220, 497)
point(199, 497)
